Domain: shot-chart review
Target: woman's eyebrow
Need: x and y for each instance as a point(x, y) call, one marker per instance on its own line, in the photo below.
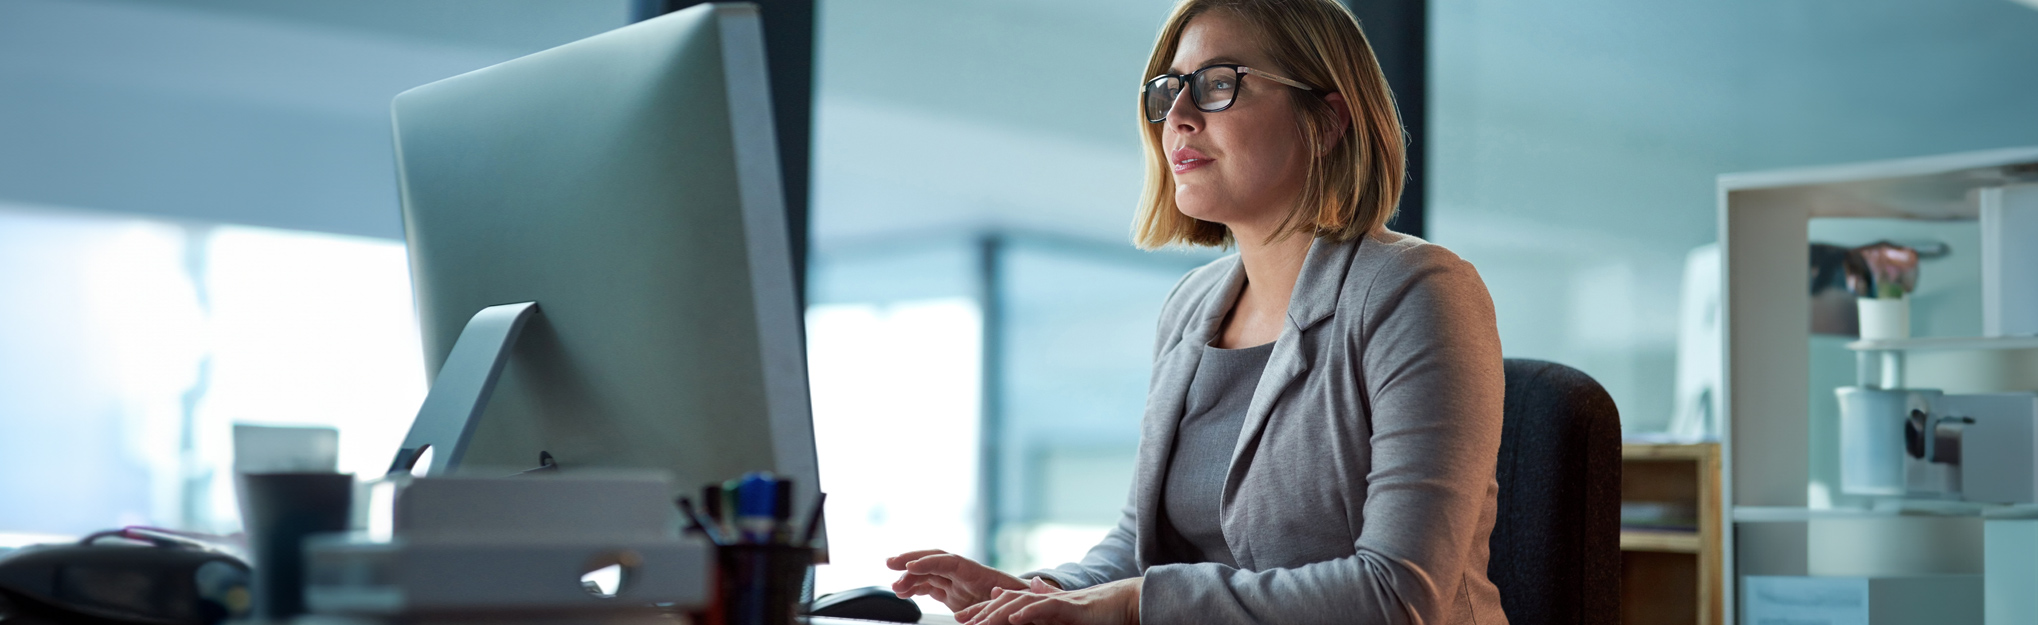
point(1220, 60)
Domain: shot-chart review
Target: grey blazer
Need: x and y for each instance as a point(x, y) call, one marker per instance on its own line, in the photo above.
point(1362, 488)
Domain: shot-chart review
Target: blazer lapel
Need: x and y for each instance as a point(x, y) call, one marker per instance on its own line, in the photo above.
point(1166, 400)
point(1315, 298)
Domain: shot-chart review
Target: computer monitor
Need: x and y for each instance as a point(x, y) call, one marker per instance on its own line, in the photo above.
point(628, 183)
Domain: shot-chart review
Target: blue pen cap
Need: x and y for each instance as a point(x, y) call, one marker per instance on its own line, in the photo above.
point(757, 495)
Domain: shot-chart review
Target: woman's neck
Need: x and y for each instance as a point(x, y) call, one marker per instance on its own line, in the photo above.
point(1271, 269)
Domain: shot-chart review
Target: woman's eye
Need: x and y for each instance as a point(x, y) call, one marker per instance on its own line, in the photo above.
point(1220, 85)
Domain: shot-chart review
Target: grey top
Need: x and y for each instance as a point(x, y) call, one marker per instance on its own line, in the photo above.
point(1361, 487)
point(1216, 410)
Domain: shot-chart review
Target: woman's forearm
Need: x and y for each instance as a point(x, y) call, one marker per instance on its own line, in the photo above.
point(1360, 588)
point(1111, 560)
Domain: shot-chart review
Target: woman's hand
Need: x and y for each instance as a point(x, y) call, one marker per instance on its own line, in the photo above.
point(955, 581)
point(1115, 603)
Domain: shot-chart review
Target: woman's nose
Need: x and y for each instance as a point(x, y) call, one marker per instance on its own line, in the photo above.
point(1183, 116)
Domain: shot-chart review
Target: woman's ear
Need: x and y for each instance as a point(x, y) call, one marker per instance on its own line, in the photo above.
point(1342, 113)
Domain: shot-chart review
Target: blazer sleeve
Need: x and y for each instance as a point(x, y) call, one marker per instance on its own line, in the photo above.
point(1111, 560)
point(1431, 369)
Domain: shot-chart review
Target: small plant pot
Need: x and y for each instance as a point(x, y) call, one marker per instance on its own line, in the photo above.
point(1885, 318)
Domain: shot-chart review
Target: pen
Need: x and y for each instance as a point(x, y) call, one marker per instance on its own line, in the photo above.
point(756, 502)
point(781, 512)
point(711, 498)
point(700, 523)
point(728, 515)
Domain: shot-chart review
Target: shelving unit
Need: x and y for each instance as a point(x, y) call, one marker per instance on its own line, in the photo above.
point(1776, 527)
point(1669, 575)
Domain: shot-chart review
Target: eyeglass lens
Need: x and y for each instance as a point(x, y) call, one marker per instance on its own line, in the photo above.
point(1211, 89)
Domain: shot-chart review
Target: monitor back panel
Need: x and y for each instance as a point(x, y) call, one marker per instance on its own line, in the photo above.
point(629, 184)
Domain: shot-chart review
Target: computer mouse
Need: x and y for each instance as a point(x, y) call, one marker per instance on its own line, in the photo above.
point(127, 583)
point(870, 603)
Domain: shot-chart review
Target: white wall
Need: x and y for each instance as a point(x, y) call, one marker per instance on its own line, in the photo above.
point(250, 113)
point(947, 115)
point(1576, 141)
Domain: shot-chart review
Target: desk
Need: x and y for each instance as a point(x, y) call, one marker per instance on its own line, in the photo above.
point(926, 619)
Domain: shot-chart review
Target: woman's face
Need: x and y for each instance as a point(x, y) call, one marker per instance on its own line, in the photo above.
point(1243, 167)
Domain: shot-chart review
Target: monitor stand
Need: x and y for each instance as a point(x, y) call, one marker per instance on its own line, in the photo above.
point(453, 405)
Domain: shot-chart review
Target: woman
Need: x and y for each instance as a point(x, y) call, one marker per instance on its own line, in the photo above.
point(1321, 432)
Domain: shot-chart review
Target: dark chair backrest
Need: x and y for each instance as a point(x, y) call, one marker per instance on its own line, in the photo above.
point(1556, 541)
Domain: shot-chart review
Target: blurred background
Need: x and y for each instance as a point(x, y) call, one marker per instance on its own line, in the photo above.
point(199, 223)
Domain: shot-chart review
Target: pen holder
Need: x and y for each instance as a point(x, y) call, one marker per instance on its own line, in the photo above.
point(759, 584)
point(280, 509)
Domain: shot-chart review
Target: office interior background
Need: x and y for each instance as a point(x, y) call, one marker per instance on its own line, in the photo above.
point(199, 224)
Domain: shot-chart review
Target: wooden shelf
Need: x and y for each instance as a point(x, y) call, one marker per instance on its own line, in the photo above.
point(1670, 576)
point(1668, 451)
point(1665, 541)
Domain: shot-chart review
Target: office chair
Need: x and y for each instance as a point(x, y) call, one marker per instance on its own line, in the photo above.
point(1556, 540)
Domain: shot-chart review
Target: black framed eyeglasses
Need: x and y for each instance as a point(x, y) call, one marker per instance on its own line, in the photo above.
point(1212, 89)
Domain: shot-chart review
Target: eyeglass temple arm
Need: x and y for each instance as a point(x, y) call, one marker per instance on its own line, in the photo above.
point(1280, 79)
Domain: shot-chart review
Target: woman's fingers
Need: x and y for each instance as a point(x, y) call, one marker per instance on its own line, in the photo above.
point(946, 564)
point(965, 572)
point(1004, 606)
point(911, 579)
point(941, 589)
point(922, 585)
point(964, 614)
point(988, 607)
point(898, 562)
point(907, 582)
point(1043, 611)
point(963, 582)
point(1021, 605)
point(930, 585)
point(946, 592)
point(910, 585)
point(1041, 586)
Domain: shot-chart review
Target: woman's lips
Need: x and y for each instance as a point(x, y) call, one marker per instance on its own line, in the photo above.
point(1187, 159)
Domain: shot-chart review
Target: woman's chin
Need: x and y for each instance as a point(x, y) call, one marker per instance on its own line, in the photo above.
point(1197, 207)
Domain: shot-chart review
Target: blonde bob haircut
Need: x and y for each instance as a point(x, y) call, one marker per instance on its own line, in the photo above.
point(1352, 188)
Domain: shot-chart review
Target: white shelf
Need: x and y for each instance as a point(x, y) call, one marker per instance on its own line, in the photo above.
point(1895, 508)
point(1931, 187)
point(1793, 514)
point(1946, 343)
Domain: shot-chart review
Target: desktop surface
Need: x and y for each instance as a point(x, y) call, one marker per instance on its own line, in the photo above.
point(925, 619)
